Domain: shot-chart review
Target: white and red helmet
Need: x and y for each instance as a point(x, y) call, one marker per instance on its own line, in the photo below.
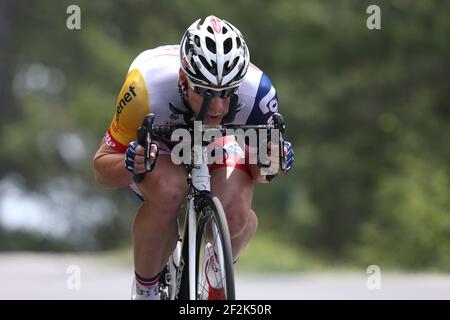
point(213, 54)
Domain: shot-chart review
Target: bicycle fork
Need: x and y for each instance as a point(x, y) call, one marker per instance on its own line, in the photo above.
point(200, 181)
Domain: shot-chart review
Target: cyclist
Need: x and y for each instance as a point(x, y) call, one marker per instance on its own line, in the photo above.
point(212, 62)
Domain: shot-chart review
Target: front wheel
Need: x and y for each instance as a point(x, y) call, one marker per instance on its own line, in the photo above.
point(214, 261)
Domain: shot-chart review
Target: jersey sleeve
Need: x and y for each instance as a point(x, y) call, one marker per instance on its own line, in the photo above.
point(266, 102)
point(131, 107)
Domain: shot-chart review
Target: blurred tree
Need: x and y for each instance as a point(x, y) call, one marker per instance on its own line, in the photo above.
point(7, 106)
point(367, 111)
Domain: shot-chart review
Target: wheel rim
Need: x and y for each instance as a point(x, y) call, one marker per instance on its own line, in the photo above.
point(216, 277)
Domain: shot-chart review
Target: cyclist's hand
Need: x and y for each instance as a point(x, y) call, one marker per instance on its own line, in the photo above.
point(134, 157)
point(288, 154)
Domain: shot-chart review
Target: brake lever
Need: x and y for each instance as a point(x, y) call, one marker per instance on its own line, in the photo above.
point(279, 124)
point(144, 134)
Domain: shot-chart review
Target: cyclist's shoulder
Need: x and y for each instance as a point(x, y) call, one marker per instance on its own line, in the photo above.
point(157, 68)
point(259, 96)
point(256, 84)
point(156, 58)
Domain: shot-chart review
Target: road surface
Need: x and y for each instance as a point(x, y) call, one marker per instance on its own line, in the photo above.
point(65, 277)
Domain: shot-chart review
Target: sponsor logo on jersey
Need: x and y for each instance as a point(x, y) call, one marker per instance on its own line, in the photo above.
point(115, 126)
point(269, 102)
point(109, 141)
point(127, 98)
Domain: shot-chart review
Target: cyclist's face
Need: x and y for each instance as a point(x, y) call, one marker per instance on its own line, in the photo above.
point(218, 107)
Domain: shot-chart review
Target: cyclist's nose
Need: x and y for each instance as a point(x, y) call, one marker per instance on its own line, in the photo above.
point(218, 105)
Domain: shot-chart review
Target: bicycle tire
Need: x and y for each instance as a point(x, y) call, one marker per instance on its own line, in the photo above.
point(210, 213)
point(183, 270)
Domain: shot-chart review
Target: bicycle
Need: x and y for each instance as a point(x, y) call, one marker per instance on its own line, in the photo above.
point(205, 222)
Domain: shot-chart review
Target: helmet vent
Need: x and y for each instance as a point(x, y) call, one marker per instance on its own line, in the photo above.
point(227, 67)
point(197, 41)
point(210, 30)
point(211, 68)
point(211, 45)
point(238, 42)
point(227, 45)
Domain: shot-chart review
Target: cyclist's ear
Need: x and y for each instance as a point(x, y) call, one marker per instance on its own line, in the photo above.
point(183, 82)
point(183, 85)
point(182, 77)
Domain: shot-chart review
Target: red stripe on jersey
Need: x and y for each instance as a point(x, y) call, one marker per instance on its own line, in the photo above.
point(113, 143)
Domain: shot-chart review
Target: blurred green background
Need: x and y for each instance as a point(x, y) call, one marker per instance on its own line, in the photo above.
point(367, 110)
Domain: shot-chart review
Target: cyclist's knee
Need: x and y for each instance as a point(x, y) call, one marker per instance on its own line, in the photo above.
point(239, 214)
point(253, 220)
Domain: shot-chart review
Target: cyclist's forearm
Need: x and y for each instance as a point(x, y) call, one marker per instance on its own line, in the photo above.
point(110, 170)
point(257, 174)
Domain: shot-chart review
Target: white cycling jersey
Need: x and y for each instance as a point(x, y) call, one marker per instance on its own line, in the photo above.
point(152, 83)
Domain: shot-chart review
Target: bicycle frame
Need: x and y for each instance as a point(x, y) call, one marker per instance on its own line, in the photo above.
point(199, 182)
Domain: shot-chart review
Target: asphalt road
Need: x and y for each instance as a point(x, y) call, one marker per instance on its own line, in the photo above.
point(45, 276)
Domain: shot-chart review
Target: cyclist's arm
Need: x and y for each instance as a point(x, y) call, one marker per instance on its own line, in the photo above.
point(256, 173)
point(264, 106)
point(131, 106)
point(265, 174)
point(260, 175)
point(109, 167)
